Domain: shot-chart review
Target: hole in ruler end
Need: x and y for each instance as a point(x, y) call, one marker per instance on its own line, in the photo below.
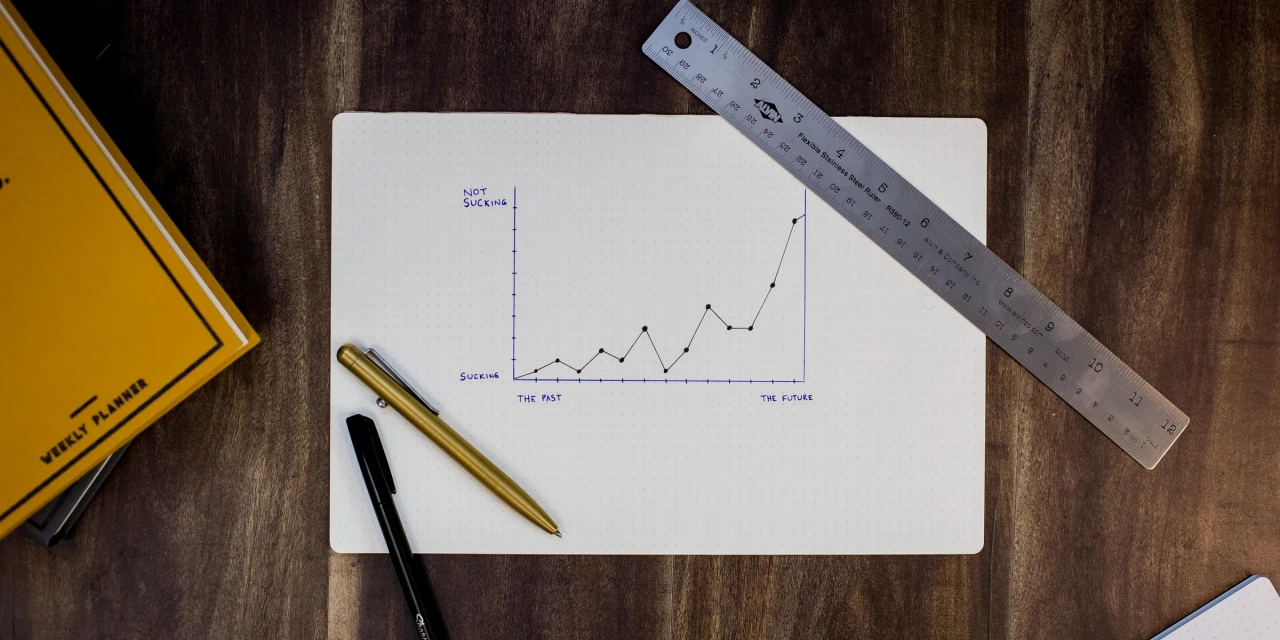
point(683, 40)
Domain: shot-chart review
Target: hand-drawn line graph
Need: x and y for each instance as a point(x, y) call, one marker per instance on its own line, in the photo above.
point(574, 371)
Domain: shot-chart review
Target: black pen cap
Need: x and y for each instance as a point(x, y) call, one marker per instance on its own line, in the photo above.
point(371, 456)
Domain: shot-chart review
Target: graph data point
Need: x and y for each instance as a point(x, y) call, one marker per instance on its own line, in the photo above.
point(602, 351)
point(795, 220)
point(557, 359)
point(686, 349)
point(622, 359)
point(751, 328)
point(579, 370)
point(644, 328)
point(708, 306)
point(535, 370)
point(772, 285)
point(729, 327)
point(665, 370)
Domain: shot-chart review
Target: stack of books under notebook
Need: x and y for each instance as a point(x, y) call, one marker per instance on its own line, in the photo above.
point(109, 319)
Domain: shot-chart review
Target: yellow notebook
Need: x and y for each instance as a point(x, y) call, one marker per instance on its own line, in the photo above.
point(107, 316)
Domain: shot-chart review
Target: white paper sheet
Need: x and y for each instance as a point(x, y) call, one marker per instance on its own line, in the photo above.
point(1248, 611)
point(472, 249)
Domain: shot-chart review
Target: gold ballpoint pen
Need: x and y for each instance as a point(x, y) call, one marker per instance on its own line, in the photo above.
point(385, 382)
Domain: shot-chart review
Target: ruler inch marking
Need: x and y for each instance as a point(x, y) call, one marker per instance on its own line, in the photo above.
point(901, 220)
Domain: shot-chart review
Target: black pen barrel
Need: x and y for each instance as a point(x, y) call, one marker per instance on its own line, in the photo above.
point(381, 486)
point(412, 582)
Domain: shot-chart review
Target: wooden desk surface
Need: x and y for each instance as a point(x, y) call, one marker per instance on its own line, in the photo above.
point(1134, 177)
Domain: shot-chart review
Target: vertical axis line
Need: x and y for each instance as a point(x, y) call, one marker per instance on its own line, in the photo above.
point(804, 287)
point(513, 283)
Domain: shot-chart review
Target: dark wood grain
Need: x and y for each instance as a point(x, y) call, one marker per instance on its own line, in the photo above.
point(1133, 178)
point(1152, 211)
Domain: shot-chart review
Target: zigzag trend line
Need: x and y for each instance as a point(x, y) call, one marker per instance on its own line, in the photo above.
point(644, 331)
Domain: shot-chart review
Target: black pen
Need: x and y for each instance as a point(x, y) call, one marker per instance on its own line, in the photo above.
point(377, 478)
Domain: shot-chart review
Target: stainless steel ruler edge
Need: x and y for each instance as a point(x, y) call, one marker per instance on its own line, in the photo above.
point(913, 230)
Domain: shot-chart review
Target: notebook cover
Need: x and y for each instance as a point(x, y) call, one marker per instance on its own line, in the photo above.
point(109, 319)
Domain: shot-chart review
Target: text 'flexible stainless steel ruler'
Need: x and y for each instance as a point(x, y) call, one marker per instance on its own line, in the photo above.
point(915, 232)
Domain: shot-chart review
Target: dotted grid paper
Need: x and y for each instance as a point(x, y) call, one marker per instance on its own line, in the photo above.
point(1249, 611)
point(843, 412)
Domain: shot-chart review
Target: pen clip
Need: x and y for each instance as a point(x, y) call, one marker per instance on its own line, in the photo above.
point(390, 371)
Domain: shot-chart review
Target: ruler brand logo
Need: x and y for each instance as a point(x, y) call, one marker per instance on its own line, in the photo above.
point(768, 110)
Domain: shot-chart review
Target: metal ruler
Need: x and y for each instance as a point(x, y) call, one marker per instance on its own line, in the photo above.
point(915, 232)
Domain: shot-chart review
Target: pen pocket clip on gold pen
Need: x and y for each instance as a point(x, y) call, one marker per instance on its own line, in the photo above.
point(381, 362)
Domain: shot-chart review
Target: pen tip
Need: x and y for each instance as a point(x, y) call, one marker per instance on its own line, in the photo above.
point(557, 534)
